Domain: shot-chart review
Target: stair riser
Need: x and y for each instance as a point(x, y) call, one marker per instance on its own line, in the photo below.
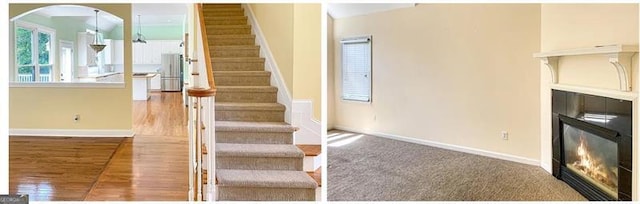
point(250, 115)
point(222, 9)
point(254, 137)
point(238, 66)
point(206, 6)
point(208, 13)
point(226, 22)
point(212, 30)
point(265, 194)
point(242, 80)
point(259, 163)
point(247, 97)
point(231, 41)
point(235, 52)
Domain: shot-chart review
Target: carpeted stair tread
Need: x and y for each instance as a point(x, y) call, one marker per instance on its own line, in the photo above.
point(239, 47)
point(222, 18)
point(241, 73)
point(237, 59)
point(269, 89)
point(214, 37)
point(265, 179)
point(227, 27)
point(244, 126)
point(230, 106)
point(258, 150)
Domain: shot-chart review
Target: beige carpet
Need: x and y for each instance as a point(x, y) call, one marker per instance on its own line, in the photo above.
point(368, 168)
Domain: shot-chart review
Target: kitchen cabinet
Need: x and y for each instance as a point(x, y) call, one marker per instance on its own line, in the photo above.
point(86, 55)
point(118, 52)
point(155, 82)
point(151, 52)
point(171, 46)
point(114, 52)
point(108, 51)
point(141, 85)
point(138, 53)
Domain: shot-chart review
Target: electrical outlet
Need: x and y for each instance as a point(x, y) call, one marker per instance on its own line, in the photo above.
point(505, 135)
point(76, 118)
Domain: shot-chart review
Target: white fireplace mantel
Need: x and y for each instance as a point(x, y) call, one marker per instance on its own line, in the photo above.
point(620, 57)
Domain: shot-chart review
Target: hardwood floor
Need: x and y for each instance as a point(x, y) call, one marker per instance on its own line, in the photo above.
point(150, 166)
point(57, 168)
point(153, 165)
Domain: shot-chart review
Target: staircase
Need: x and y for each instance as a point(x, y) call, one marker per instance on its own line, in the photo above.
point(255, 156)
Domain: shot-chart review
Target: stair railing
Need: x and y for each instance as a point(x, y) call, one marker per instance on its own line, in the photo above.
point(201, 114)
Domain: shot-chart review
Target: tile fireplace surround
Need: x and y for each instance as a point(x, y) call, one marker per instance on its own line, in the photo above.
point(592, 144)
point(588, 141)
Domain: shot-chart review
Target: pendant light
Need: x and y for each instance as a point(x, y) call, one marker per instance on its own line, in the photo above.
point(96, 46)
point(140, 38)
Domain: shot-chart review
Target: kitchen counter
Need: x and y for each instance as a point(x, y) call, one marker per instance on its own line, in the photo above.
point(141, 86)
point(144, 75)
point(102, 77)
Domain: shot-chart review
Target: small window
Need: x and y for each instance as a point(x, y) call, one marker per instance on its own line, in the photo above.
point(356, 69)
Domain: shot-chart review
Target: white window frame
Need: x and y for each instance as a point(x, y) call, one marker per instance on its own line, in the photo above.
point(36, 28)
point(368, 72)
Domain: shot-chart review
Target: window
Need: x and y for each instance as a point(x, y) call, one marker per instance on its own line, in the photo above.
point(356, 69)
point(34, 52)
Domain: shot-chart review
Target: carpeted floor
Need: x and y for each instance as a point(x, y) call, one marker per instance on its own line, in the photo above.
point(368, 168)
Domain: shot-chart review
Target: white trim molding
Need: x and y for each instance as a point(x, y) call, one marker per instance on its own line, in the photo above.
point(302, 117)
point(71, 132)
point(470, 150)
point(284, 96)
point(620, 56)
point(105, 85)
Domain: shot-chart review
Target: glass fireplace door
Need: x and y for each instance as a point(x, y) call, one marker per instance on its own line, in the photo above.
point(592, 157)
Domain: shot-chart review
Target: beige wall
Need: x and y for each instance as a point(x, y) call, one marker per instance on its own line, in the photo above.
point(54, 108)
point(331, 107)
point(567, 26)
point(450, 73)
point(293, 34)
point(276, 22)
point(307, 54)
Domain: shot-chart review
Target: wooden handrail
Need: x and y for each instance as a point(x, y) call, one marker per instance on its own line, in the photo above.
point(205, 47)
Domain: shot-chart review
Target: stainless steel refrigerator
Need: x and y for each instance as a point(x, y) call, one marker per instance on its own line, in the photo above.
point(171, 71)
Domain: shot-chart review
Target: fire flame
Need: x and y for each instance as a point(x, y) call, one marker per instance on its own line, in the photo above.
point(594, 167)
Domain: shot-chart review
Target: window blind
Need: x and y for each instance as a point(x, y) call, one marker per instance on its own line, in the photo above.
point(356, 69)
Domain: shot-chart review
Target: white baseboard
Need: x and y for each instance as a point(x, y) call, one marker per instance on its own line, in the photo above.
point(546, 167)
point(458, 148)
point(71, 132)
point(284, 96)
point(302, 117)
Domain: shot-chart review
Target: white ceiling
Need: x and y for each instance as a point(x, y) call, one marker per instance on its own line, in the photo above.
point(150, 14)
point(355, 9)
point(160, 14)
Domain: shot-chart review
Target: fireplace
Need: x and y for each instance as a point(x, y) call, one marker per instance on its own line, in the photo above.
point(592, 144)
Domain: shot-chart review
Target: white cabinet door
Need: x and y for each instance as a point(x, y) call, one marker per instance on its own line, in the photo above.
point(152, 52)
point(108, 51)
point(155, 82)
point(138, 53)
point(86, 55)
point(117, 52)
point(171, 46)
